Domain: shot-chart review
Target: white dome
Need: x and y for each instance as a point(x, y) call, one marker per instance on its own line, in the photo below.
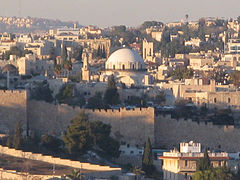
point(125, 59)
point(125, 55)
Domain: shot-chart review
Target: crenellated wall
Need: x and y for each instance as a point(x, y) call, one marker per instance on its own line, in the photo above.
point(130, 126)
point(170, 132)
point(13, 108)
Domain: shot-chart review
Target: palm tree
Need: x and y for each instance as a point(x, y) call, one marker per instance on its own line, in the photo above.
point(138, 171)
point(76, 175)
point(186, 16)
point(58, 70)
point(67, 66)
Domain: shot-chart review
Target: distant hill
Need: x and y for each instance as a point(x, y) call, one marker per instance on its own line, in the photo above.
point(29, 24)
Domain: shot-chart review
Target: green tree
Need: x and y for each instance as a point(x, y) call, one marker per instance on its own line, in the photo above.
point(103, 52)
point(182, 73)
point(50, 142)
point(77, 53)
point(204, 163)
point(99, 52)
point(235, 78)
point(238, 19)
point(148, 24)
point(64, 55)
point(120, 28)
point(42, 92)
point(160, 98)
point(77, 137)
point(13, 51)
point(52, 55)
point(101, 137)
point(58, 70)
point(111, 96)
point(67, 65)
point(9, 142)
point(147, 162)
point(219, 173)
point(96, 101)
point(17, 138)
point(66, 94)
point(76, 175)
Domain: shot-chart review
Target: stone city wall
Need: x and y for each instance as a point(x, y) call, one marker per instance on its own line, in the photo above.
point(130, 126)
point(170, 132)
point(14, 175)
point(13, 108)
point(55, 160)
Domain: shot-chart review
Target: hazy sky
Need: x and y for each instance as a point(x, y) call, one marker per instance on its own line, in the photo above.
point(115, 12)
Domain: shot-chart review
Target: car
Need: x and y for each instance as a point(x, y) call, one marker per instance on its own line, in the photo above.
point(129, 107)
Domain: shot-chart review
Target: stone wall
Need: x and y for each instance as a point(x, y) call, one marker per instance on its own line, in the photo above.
point(56, 160)
point(13, 108)
point(14, 175)
point(170, 132)
point(130, 126)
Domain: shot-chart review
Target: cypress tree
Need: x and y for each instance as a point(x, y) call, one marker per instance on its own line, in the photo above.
point(64, 55)
point(103, 52)
point(99, 53)
point(204, 163)
point(17, 139)
point(111, 96)
point(147, 161)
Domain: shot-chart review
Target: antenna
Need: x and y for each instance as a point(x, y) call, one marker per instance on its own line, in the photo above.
point(19, 8)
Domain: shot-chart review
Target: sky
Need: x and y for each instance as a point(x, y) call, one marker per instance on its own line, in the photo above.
point(132, 13)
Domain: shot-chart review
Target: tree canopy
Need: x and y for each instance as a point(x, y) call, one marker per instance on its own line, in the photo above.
point(147, 161)
point(77, 137)
point(111, 96)
point(82, 135)
point(17, 138)
point(42, 92)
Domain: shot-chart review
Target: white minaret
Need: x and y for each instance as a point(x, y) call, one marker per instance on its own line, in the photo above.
point(85, 69)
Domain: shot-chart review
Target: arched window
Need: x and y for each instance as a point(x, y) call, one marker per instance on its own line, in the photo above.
point(113, 67)
point(123, 67)
point(229, 100)
point(215, 100)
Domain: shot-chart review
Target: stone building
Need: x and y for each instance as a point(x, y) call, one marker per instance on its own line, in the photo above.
point(180, 165)
point(148, 52)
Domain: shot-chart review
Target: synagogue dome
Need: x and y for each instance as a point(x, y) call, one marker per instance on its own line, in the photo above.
point(125, 59)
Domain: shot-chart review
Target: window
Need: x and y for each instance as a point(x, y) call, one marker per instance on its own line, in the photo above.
point(229, 100)
point(215, 100)
point(133, 67)
point(113, 67)
point(131, 152)
point(186, 163)
point(123, 67)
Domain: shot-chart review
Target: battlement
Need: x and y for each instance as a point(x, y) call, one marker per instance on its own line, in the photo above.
point(123, 109)
point(169, 132)
point(9, 92)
